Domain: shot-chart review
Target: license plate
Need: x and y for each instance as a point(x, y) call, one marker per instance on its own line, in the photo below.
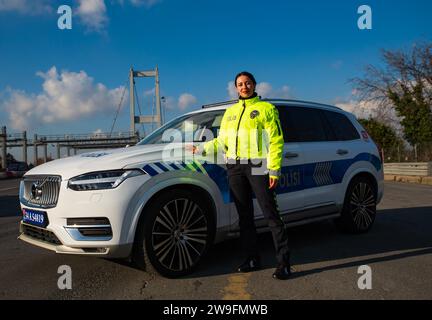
point(35, 218)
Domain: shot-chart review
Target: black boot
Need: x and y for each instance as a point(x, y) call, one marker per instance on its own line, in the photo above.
point(250, 264)
point(283, 270)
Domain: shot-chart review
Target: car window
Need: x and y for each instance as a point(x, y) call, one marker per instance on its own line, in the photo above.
point(302, 124)
point(341, 126)
point(197, 126)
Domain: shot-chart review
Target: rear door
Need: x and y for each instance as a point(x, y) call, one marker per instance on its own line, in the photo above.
point(314, 137)
point(345, 146)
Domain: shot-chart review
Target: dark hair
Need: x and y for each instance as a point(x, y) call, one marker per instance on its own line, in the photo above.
point(247, 74)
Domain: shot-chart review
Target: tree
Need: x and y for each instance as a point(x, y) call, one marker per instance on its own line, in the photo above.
point(405, 84)
point(415, 112)
point(384, 136)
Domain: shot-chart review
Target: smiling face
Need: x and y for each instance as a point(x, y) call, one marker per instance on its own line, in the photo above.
point(245, 87)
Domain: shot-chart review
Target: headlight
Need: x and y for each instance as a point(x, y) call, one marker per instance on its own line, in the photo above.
point(102, 179)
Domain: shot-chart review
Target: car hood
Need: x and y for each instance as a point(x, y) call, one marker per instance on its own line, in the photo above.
point(131, 157)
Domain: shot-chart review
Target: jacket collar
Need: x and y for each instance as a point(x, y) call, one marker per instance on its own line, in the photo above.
point(249, 101)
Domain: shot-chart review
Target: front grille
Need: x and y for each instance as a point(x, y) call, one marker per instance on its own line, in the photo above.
point(40, 234)
point(41, 191)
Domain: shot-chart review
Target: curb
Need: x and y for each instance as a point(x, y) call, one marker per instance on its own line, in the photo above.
point(409, 179)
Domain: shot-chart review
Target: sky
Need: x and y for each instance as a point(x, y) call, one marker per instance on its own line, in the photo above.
point(55, 81)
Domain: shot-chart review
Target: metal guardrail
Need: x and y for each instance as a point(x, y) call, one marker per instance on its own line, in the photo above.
point(97, 140)
point(422, 169)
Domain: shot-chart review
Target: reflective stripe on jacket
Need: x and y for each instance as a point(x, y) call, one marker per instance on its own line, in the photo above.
point(251, 129)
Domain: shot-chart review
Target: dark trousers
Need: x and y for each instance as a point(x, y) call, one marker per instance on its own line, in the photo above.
point(242, 183)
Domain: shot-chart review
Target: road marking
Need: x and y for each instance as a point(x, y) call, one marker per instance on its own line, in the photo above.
point(236, 288)
point(9, 189)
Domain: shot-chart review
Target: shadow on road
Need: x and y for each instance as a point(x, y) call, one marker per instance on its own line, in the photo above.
point(394, 230)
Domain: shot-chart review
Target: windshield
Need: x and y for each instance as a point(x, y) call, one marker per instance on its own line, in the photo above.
point(198, 127)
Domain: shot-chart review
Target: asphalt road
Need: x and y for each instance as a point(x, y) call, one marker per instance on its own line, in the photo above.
point(398, 250)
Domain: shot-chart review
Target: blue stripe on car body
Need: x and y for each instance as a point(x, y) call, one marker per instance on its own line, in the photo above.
point(161, 166)
point(293, 178)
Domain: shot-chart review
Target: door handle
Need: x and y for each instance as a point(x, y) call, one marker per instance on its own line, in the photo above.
point(342, 152)
point(290, 155)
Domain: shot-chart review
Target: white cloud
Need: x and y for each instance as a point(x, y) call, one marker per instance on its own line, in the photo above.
point(30, 7)
point(285, 92)
point(150, 93)
point(170, 103)
point(232, 92)
point(186, 100)
point(65, 97)
point(93, 14)
point(371, 109)
point(263, 89)
point(361, 110)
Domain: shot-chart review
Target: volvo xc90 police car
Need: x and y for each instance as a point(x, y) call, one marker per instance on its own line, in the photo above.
point(162, 209)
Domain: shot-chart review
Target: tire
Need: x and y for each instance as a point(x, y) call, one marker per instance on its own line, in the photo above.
point(174, 233)
point(359, 208)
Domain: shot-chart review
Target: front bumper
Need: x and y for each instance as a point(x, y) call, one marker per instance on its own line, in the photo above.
point(107, 251)
point(115, 206)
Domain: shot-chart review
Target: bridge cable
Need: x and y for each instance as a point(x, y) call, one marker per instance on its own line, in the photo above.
point(118, 108)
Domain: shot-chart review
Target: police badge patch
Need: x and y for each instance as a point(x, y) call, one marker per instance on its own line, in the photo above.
point(254, 114)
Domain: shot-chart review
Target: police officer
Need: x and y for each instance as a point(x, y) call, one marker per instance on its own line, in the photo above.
point(252, 139)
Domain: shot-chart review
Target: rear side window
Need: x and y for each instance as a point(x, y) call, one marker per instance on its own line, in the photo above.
point(341, 126)
point(300, 124)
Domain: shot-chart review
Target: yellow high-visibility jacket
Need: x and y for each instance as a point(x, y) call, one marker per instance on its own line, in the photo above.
point(251, 129)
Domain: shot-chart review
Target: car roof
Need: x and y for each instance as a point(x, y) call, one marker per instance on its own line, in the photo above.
point(277, 102)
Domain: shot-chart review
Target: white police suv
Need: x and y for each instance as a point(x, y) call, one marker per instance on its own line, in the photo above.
point(163, 209)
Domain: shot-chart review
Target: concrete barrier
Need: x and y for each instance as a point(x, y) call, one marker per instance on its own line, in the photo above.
point(427, 180)
point(389, 177)
point(409, 179)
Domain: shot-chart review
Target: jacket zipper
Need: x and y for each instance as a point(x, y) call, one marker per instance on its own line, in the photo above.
point(238, 127)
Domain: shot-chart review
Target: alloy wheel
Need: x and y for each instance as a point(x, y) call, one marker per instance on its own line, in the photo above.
point(363, 205)
point(179, 234)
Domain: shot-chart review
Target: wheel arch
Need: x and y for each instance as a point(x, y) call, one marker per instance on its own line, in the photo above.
point(366, 174)
point(190, 187)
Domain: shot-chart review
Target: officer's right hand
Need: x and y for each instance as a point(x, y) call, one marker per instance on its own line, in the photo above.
point(192, 148)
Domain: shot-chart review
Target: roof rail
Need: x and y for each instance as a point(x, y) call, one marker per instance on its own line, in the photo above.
point(217, 104)
point(302, 101)
point(223, 103)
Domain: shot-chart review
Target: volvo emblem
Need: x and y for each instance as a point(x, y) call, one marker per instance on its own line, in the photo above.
point(36, 191)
